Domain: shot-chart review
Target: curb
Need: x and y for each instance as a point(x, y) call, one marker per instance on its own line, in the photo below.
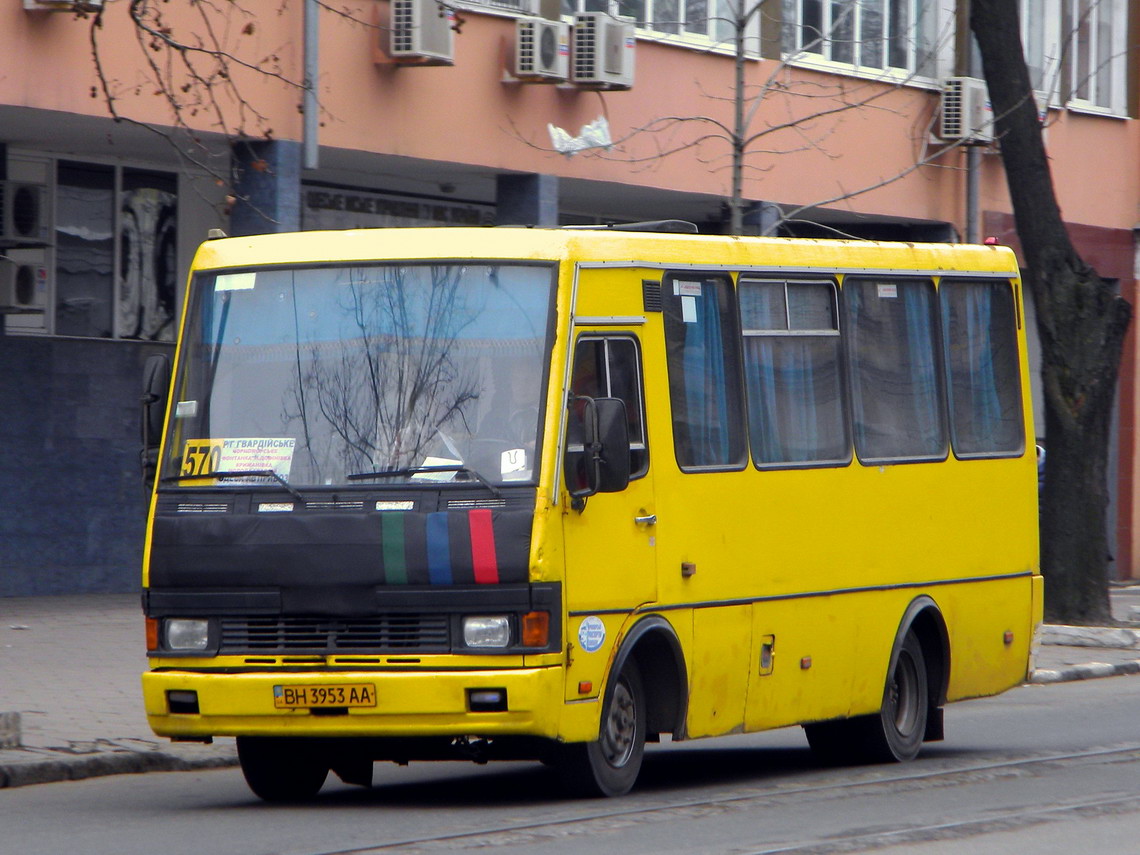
point(1123, 638)
point(1089, 671)
point(50, 770)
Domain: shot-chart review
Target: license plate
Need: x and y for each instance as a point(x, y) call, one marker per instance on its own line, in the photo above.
point(325, 695)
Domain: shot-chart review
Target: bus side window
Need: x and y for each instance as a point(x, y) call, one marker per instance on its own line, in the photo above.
point(897, 400)
point(979, 325)
point(794, 373)
point(702, 342)
point(610, 367)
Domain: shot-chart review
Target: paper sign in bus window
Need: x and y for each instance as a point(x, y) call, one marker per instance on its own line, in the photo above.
point(689, 292)
point(243, 454)
point(512, 465)
point(689, 310)
point(235, 281)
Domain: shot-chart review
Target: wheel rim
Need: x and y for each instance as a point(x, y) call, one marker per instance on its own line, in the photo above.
point(904, 698)
point(619, 736)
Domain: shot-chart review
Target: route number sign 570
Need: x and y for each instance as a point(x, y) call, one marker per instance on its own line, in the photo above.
point(202, 457)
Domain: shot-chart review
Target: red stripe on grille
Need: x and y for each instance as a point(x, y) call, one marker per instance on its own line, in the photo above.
point(483, 547)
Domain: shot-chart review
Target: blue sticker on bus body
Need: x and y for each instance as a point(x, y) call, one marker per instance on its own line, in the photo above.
point(592, 634)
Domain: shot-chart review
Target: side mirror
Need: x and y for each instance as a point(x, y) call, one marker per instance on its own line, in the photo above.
point(597, 448)
point(156, 387)
point(612, 439)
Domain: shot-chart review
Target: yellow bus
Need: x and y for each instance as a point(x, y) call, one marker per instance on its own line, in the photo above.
point(553, 493)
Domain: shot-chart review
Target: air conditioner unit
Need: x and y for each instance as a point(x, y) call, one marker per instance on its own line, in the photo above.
point(966, 113)
point(602, 57)
point(422, 30)
point(63, 5)
point(542, 49)
point(23, 213)
point(22, 286)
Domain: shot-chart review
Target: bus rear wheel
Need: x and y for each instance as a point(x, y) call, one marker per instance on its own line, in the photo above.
point(895, 733)
point(902, 719)
point(609, 766)
point(281, 770)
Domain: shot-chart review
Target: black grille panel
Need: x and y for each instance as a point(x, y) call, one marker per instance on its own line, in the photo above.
point(379, 634)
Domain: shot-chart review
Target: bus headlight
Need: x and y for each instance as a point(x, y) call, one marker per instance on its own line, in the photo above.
point(487, 631)
point(187, 634)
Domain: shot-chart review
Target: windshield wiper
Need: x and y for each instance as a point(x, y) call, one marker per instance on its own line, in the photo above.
point(239, 473)
point(419, 470)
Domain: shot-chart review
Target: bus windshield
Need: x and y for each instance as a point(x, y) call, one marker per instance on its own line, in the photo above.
point(364, 373)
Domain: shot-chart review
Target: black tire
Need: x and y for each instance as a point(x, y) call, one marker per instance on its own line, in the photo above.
point(895, 733)
point(609, 766)
point(281, 770)
point(901, 723)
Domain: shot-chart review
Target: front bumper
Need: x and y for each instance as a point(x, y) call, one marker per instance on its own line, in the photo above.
point(408, 704)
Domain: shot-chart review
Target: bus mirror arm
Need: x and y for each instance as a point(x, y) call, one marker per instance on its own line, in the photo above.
point(156, 387)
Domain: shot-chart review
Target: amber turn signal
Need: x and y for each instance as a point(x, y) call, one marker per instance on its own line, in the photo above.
point(536, 629)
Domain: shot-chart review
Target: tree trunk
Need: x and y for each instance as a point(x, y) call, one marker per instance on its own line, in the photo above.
point(1081, 321)
point(739, 131)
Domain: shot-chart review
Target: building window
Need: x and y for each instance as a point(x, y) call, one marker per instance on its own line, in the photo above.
point(701, 21)
point(702, 344)
point(794, 373)
point(116, 267)
point(85, 250)
point(1076, 50)
point(896, 35)
point(1097, 53)
point(1041, 39)
point(148, 268)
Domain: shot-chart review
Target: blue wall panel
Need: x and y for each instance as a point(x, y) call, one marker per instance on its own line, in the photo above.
point(72, 501)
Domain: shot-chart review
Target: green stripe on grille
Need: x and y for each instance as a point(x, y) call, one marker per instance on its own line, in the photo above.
point(392, 545)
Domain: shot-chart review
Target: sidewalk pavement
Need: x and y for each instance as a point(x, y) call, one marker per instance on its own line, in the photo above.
point(71, 704)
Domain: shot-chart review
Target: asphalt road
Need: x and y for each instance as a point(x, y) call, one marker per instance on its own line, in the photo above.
point(1043, 768)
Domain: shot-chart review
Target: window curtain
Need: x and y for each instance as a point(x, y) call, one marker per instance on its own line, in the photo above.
point(706, 380)
point(979, 326)
point(787, 422)
point(985, 407)
point(703, 350)
point(925, 395)
point(895, 384)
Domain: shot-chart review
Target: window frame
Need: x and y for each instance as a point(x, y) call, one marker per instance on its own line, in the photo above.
point(937, 371)
point(1104, 66)
point(731, 347)
point(945, 286)
point(928, 40)
point(716, 35)
point(607, 338)
point(789, 332)
point(125, 178)
point(1041, 39)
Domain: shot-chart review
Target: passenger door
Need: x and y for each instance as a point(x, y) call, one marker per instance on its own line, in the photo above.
point(610, 541)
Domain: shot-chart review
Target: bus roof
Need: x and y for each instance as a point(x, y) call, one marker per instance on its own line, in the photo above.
point(611, 246)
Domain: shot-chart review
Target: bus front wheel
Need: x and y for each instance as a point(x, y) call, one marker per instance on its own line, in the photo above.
point(281, 770)
point(609, 765)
